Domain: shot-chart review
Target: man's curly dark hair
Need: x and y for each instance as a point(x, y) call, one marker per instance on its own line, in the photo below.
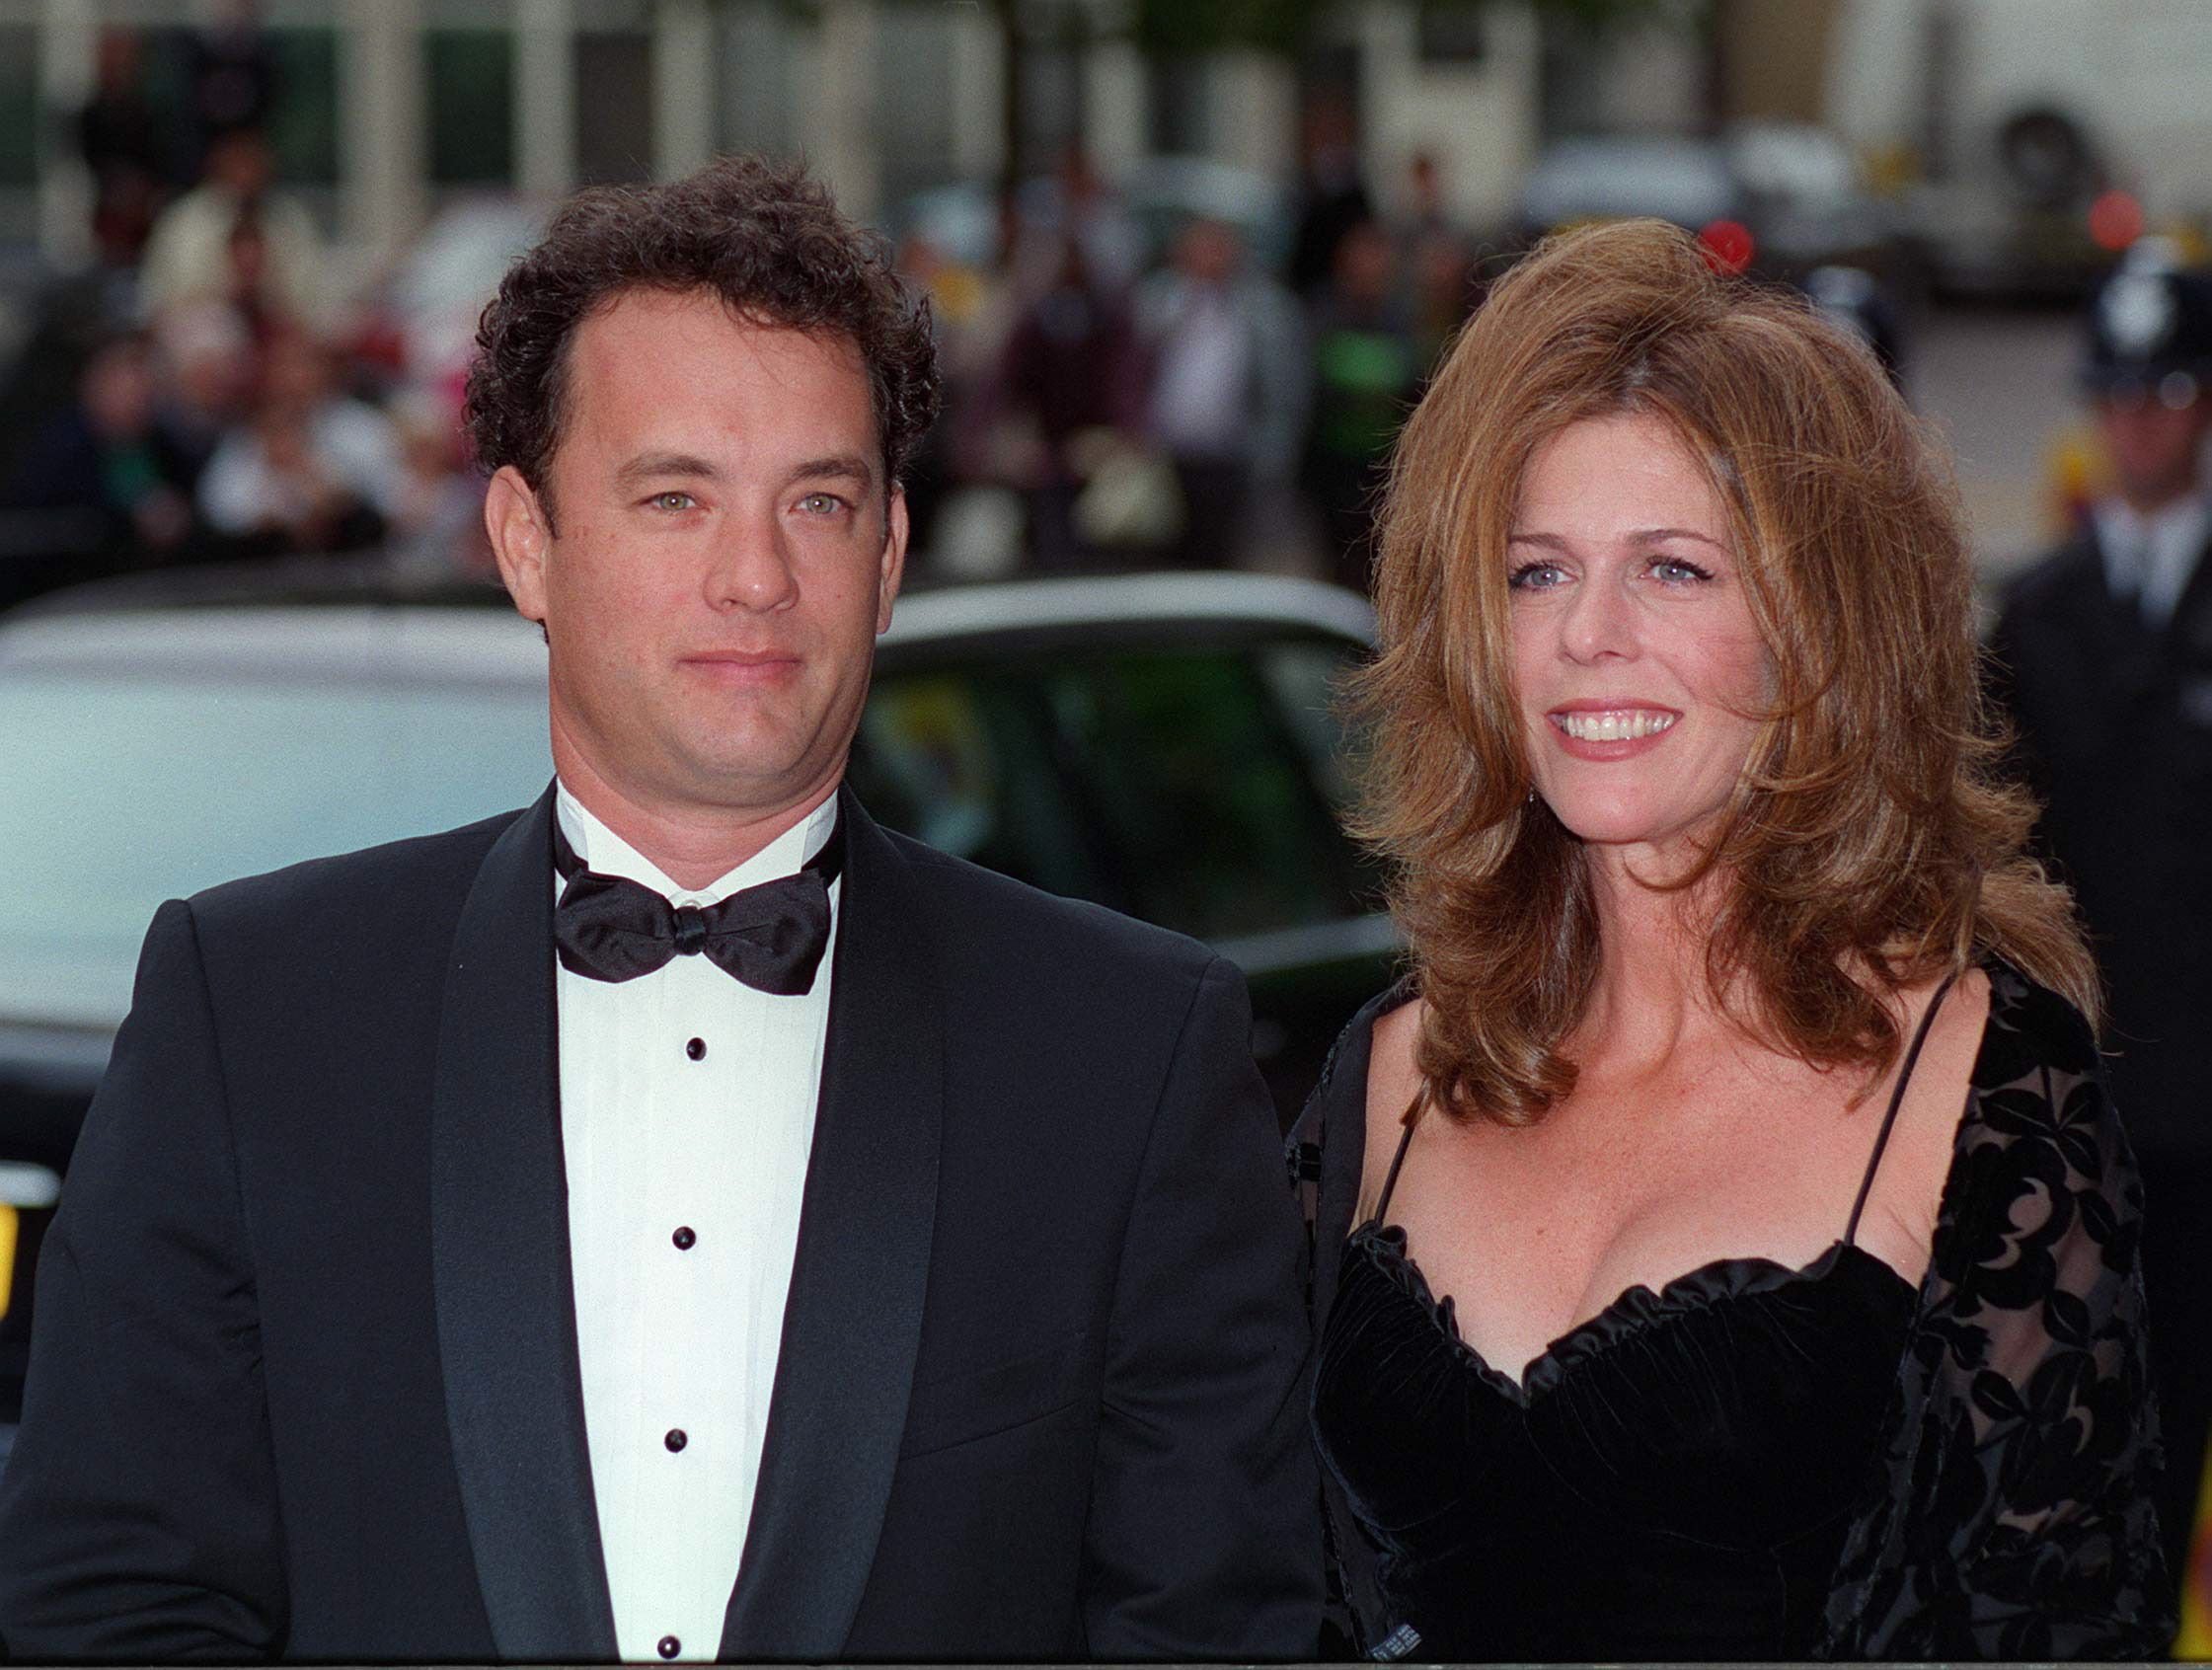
point(763, 236)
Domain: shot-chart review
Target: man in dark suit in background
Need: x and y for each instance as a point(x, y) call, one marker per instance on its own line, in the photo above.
point(792, 1244)
point(2105, 659)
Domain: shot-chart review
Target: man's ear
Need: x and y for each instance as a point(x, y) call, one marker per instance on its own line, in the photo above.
point(894, 556)
point(521, 534)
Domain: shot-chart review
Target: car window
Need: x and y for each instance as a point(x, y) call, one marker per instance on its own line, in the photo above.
point(1198, 789)
point(124, 790)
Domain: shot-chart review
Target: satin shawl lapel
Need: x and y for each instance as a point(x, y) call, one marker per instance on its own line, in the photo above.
point(2191, 625)
point(854, 1317)
point(499, 1244)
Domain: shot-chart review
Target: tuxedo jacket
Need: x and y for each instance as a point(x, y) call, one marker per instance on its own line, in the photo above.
point(304, 1375)
point(2114, 716)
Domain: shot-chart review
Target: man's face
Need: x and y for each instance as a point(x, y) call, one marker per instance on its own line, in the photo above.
point(2154, 445)
point(726, 551)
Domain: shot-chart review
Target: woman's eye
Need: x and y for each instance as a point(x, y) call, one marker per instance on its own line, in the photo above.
point(1534, 576)
point(1676, 571)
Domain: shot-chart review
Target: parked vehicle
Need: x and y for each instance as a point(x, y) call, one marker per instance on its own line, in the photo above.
point(1165, 744)
point(1787, 191)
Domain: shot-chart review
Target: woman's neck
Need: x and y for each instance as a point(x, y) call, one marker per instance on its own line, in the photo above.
point(1652, 991)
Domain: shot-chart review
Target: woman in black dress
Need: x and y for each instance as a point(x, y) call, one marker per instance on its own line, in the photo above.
point(1724, 1248)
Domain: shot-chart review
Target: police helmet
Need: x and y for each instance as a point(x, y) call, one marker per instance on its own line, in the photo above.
point(2150, 331)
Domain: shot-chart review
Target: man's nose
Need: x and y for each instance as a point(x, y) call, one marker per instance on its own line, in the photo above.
point(752, 567)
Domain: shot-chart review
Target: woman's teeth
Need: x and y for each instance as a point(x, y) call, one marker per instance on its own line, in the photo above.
point(1614, 728)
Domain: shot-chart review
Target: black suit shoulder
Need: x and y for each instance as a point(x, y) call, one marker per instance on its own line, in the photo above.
point(304, 964)
point(404, 876)
point(2056, 582)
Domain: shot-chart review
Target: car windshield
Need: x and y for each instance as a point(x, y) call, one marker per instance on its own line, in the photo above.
point(125, 790)
point(1196, 788)
point(1193, 784)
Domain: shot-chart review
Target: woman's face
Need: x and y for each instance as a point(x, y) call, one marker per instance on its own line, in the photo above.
point(1638, 668)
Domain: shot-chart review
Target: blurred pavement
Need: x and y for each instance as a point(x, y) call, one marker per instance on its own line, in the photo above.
point(2001, 384)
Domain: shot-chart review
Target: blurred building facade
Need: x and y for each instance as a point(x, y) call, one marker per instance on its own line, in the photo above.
point(388, 109)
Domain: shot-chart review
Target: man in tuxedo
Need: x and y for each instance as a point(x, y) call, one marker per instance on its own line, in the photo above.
point(679, 1219)
point(2103, 657)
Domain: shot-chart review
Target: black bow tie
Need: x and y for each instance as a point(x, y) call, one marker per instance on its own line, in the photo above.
point(770, 937)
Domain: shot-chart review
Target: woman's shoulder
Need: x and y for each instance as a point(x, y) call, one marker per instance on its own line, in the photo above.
point(2038, 1118)
point(1335, 1107)
point(1328, 1144)
point(2031, 1031)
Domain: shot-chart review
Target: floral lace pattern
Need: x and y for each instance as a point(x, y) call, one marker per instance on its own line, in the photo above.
point(2014, 1520)
point(2011, 1516)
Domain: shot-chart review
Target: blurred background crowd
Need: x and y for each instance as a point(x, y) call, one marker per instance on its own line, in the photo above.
point(1191, 262)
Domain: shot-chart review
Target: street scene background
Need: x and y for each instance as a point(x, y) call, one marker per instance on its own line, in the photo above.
point(1190, 264)
point(295, 207)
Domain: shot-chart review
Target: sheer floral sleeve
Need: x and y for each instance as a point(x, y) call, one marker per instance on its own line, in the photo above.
point(2014, 1519)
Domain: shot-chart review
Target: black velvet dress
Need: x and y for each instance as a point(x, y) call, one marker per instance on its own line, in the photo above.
point(1758, 1462)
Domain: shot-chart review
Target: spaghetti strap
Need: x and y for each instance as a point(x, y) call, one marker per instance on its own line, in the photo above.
point(1389, 1183)
point(1896, 1100)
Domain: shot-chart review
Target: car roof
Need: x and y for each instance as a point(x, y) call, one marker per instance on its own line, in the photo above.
point(411, 639)
point(1027, 606)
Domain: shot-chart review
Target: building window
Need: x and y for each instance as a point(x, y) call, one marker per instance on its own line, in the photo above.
point(470, 76)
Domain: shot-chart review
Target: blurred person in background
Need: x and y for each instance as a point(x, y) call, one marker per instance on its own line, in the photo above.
point(1367, 369)
point(114, 489)
point(1073, 373)
point(1745, 1251)
point(1856, 300)
point(955, 295)
point(1332, 196)
point(211, 364)
point(192, 250)
point(249, 285)
point(437, 504)
point(230, 77)
point(1087, 207)
point(2103, 656)
point(1229, 383)
point(1421, 213)
point(1436, 257)
point(1443, 286)
point(310, 471)
point(119, 137)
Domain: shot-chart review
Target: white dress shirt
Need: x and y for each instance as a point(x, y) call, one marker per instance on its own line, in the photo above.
point(2151, 558)
point(687, 1110)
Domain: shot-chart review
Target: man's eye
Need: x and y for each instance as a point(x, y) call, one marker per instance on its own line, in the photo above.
point(821, 503)
point(672, 500)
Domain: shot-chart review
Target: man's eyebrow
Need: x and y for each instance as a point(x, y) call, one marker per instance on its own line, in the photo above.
point(656, 466)
point(843, 466)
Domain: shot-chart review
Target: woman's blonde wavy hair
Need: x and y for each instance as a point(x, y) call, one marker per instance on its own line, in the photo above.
point(1871, 843)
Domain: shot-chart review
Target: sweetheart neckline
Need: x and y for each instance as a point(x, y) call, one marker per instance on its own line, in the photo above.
point(1391, 1241)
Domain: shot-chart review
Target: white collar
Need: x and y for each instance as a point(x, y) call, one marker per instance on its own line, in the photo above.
point(603, 850)
point(2151, 558)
